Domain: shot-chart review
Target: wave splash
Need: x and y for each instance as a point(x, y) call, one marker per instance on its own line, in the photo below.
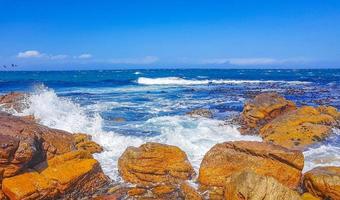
point(181, 81)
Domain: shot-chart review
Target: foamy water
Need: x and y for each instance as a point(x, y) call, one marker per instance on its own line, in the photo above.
point(181, 81)
point(193, 135)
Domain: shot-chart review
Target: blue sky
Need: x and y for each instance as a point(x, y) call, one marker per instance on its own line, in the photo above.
point(90, 34)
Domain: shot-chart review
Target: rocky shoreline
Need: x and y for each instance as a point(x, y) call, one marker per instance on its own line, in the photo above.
point(38, 162)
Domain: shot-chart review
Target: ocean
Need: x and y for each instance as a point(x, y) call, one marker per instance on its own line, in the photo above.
point(122, 108)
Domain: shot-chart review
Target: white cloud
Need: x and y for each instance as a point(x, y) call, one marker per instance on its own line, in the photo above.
point(85, 56)
point(29, 54)
point(136, 61)
point(58, 57)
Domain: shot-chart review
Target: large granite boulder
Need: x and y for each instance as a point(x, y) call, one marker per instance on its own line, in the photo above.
point(302, 127)
point(227, 158)
point(251, 186)
point(323, 182)
point(32, 154)
point(154, 163)
point(260, 110)
point(158, 170)
point(25, 143)
point(71, 175)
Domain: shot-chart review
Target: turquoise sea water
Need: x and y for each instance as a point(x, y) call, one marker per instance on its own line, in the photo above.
point(154, 102)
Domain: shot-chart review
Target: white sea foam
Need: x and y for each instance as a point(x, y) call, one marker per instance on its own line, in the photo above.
point(195, 136)
point(181, 81)
point(324, 154)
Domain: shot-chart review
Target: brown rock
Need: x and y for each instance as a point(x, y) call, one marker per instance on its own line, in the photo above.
point(161, 190)
point(136, 191)
point(84, 142)
point(13, 100)
point(154, 163)
point(189, 192)
point(37, 162)
point(29, 118)
point(266, 159)
point(119, 119)
point(108, 197)
point(25, 143)
point(2, 195)
point(200, 113)
point(175, 191)
point(323, 182)
point(302, 127)
point(308, 196)
point(260, 110)
point(72, 175)
point(251, 186)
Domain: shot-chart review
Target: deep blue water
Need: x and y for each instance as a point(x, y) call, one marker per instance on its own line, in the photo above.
point(154, 102)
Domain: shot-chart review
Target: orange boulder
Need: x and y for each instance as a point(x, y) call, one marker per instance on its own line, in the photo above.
point(225, 159)
point(71, 175)
point(323, 182)
point(25, 143)
point(251, 186)
point(302, 127)
point(260, 110)
point(154, 163)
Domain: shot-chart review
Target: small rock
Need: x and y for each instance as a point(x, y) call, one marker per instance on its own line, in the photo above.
point(119, 119)
point(84, 142)
point(200, 113)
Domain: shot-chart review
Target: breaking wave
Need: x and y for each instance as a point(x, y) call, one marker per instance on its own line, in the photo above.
point(181, 81)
